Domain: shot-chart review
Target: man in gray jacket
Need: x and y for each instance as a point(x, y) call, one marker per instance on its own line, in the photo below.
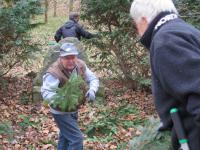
point(56, 76)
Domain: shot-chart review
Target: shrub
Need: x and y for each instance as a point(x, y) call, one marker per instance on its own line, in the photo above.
point(150, 138)
point(15, 43)
point(189, 11)
point(117, 46)
point(117, 50)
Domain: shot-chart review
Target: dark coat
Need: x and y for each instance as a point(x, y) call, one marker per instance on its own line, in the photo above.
point(71, 29)
point(175, 63)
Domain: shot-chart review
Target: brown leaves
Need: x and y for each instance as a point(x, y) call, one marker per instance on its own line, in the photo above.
point(39, 130)
point(124, 134)
point(141, 99)
point(30, 128)
point(100, 146)
point(47, 146)
point(130, 117)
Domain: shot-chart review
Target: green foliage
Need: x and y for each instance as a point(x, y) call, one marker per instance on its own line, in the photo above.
point(24, 97)
point(3, 84)
point(5, 128)
point(71, 95)
point(107, 121)
point(26, 122)
point(49, 141)
point(117, 47)
point(151, 138)
point(189, 10)
point(144, 82)
point(15, 43)
point(31, 147)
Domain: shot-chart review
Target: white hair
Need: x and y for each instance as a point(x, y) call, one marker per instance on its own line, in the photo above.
point(150, 9)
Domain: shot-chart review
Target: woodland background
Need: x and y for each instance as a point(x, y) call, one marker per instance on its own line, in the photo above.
point(122, 118)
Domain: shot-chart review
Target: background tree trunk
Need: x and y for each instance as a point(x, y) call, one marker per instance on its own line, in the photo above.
point(71, 2)
point(46, 11)
point(54, 8)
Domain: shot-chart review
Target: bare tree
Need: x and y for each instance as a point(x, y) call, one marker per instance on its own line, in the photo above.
point(46, 11)
point(54, 8)
point(71, 2)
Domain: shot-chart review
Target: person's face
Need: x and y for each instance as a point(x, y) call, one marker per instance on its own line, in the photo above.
point(77, 19)
point(69, 62)
point(141, 26)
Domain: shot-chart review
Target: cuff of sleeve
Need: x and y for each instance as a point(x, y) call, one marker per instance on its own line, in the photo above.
point(93, 89)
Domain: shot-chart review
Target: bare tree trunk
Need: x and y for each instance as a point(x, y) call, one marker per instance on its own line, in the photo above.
point(8, 3)
point(33, 16)
point(130, 83)
point(71, 2)
point(46, 11)
point(77, 5)
point(54, 8)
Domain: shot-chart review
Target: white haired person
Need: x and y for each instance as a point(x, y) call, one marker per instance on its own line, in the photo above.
point(174, 47)
point(70, 137)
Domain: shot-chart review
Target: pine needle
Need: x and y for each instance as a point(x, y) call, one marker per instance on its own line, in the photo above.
point(71, 95)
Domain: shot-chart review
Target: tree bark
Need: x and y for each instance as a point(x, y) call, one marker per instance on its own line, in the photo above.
point(54, 8)
point(46, 11)
point(71, 2)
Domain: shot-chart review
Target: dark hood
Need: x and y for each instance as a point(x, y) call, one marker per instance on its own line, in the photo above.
point(69, 24)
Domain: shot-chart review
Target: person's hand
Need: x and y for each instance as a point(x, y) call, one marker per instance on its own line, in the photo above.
point(90, 95)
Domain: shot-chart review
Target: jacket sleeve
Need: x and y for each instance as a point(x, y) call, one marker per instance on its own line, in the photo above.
point(177, 64)
point(82, 33)
point(58, 35)
point(92, 80)
point(49, 86)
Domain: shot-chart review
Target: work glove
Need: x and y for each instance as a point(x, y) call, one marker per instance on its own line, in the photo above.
point(90, 95)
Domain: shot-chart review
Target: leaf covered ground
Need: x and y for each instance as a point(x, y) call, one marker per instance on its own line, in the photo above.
point(106, 124)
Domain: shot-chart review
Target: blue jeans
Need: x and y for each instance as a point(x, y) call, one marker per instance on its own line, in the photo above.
point(70, 137)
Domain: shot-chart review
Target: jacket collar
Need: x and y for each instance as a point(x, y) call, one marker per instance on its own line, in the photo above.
point(147, 37)
point(73, 20)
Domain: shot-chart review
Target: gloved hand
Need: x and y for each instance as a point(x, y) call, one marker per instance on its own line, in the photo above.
point(90, 95)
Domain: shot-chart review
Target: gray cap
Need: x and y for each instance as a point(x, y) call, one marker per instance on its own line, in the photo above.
point(68, 49)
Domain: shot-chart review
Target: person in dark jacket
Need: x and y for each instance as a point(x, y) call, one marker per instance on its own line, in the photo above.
point(174, 47)
point(72, 29)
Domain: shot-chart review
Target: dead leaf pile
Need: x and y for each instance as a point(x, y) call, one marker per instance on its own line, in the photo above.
point(32, 126)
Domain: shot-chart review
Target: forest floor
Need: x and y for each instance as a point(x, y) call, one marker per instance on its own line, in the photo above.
point(108, 124)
